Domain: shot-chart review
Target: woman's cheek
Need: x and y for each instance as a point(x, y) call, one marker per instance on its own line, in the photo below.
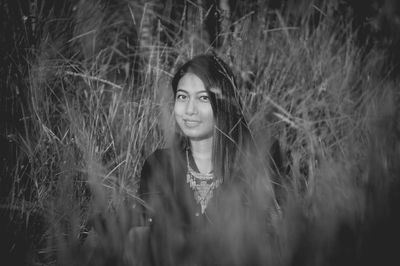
point(178, 109)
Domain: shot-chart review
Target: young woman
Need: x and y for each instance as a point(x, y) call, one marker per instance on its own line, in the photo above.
point(204, 189)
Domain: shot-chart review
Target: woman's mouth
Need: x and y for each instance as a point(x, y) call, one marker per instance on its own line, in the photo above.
point(191, 123)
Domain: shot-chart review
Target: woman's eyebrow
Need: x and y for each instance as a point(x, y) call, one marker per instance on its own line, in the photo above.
point(181, 90)
point(185, 91)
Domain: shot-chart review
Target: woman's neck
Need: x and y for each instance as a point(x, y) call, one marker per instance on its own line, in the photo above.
point(202, 149)
point(202, 154)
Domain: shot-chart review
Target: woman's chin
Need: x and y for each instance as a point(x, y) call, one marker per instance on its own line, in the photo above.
point(197, 135)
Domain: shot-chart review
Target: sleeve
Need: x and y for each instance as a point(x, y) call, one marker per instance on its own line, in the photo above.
point(155, 186)
point(150, 185)
point(144, 192)
point(144, 180)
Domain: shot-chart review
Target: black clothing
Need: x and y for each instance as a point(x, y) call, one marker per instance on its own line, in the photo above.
point(179, 233)
point(175, 218)
point(163, 181)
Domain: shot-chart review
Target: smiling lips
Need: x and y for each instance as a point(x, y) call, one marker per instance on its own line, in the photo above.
point(191, 123)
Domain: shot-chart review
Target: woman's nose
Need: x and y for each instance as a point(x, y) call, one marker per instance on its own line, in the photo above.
point(191, 107)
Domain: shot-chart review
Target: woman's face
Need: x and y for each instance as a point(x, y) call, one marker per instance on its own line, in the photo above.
point(193, 111)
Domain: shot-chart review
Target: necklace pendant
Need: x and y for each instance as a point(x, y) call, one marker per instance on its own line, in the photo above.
point(203, 185)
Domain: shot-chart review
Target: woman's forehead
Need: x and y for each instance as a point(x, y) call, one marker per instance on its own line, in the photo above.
point(191, 83)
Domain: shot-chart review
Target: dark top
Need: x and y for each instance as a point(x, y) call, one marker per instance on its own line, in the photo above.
point(179, 233)
point(163, 184)
point(175, 219)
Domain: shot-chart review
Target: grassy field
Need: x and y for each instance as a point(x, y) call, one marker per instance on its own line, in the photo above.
point(87, 108)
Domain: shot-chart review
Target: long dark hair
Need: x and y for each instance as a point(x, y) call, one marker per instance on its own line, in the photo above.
point(232, 139)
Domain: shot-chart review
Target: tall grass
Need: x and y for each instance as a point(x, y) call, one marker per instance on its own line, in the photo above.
point(304, 83)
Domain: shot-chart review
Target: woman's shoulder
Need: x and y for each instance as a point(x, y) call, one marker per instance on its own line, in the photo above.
point(159, 165)
point(164, 159)
point(160, 159)
point(153, 167)
point(159, 155)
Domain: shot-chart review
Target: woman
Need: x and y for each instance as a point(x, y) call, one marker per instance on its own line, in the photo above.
point(203, 190)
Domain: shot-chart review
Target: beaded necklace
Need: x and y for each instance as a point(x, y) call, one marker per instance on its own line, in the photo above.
point(203, 185)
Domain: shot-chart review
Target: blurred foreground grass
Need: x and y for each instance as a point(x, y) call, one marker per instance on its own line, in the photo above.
point(90, 116)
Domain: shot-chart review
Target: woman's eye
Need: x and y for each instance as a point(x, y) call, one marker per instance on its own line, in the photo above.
point(204, 98)
point(181, 97)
